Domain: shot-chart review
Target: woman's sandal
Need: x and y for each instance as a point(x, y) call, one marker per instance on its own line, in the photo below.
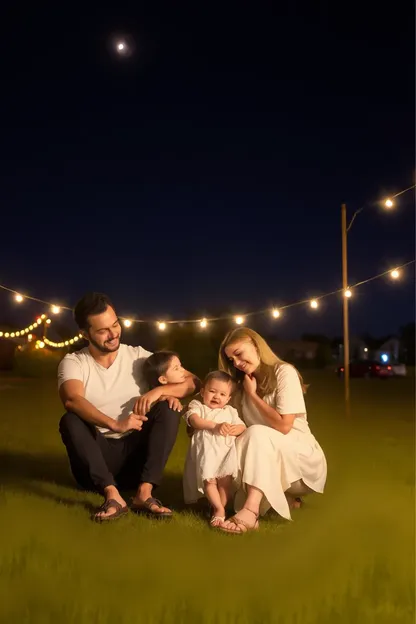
point(146, 508)
point(121, 510)
point(243, 527)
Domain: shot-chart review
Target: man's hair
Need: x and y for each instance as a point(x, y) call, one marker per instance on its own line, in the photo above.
point(155, 366)
point(219, 376)
point(91, 304)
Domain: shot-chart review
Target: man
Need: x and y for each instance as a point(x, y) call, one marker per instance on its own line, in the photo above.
point(114, 439)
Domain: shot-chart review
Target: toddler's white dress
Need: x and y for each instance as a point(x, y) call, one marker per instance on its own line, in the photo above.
point(210, 455)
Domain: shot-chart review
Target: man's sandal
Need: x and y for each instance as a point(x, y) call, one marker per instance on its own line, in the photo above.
point(243, 527)
point(121, 510)
point(146, 508)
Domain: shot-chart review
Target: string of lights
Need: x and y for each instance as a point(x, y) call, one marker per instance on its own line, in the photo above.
point(313, 303)
point(162, 325)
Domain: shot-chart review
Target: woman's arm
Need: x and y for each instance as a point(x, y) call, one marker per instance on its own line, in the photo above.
point(280, 422)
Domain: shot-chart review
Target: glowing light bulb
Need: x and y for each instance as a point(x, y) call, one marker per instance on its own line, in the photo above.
point(30, 327)
point(76, 338)
point(38, 321)
point(19, 298)
point(203, 323)
point(162, 326)
point(48, 321)
point(239, 320)
point(30, 338)
point(71, 341)
point(41, 344)
point(17, 334)
point(365, 349)
point(275, 313)
point(1, 334)
point(395, 274)
point(66, 343)
point(127, 323)
point(55, 309)
point(314, 304)
point(389, 203)
point(348, 293)
point(43, 317)
point(12, 335)
point(121, 46)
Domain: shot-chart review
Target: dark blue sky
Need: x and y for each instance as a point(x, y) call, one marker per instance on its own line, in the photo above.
point(206, 172)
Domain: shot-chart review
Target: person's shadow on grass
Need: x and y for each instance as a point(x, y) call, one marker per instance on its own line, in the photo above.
point(34, 474)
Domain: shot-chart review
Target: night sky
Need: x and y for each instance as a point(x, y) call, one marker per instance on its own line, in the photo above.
point(204, 174)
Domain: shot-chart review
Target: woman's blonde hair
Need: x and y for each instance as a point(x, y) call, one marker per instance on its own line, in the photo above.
point(266, 381)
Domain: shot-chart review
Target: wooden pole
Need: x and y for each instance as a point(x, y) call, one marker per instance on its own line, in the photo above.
point(345, 310)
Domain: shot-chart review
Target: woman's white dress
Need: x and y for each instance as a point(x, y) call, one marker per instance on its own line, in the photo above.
point(272, 461)
point(210, 455)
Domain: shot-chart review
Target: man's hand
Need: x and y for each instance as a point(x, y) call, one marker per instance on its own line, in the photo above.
point(131, 423)
point(173, 402)
point(145, 402)
point(223, 429)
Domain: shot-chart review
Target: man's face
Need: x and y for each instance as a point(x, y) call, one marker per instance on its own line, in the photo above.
point(104, 331)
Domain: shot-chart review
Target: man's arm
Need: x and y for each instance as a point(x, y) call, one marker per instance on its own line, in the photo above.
point(191, 385)
point(71, 393)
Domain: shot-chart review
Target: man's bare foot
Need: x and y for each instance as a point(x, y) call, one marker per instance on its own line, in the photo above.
point(248, 518)
point(110, 493)
point(217, 517)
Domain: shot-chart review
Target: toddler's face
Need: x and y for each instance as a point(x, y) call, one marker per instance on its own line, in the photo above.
point(216, 393)
point(175, 372)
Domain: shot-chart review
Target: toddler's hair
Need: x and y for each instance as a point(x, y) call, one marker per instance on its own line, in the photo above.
point(219, 376)
point(155, 366)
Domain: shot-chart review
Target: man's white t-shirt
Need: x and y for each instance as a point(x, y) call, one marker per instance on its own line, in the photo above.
point(112, 390)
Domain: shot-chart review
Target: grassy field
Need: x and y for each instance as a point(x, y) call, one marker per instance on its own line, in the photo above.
point(348, 557)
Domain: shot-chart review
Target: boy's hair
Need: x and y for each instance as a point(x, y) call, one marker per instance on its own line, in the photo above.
point(91, 304)
point(219, 376)
point(156, 365)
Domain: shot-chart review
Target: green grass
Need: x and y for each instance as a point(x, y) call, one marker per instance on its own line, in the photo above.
point(348, 557)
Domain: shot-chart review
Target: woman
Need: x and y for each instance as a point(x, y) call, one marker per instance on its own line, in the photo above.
point(279, 458)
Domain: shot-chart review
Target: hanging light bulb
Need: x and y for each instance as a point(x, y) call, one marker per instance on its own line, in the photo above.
point(389, 203)
point(41, 344)
point(314, 304)
point(239, 320)
point(55, 309)
point(348, 293)
point(162, 326)
point(48, 321)
point(127, 323)
point(203, 323)
point(395, 274)
point(275, 313)
point(18, 298)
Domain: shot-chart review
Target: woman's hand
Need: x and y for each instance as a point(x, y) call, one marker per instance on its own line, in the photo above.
point(250, 385)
